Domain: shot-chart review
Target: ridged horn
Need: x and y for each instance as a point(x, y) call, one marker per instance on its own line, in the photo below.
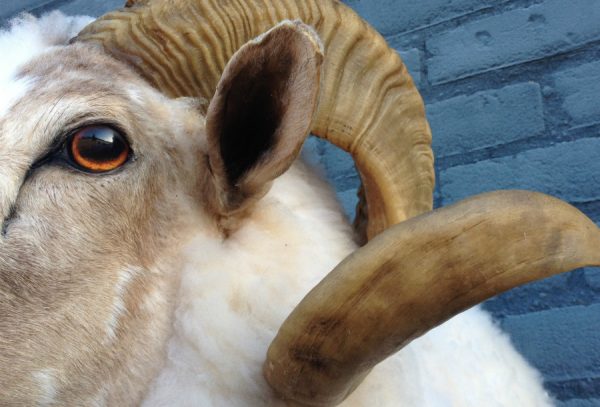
point(369, 105)
point(416, 275)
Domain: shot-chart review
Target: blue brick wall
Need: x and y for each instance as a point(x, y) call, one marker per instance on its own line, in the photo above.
point(512, 90)
point(8, 8)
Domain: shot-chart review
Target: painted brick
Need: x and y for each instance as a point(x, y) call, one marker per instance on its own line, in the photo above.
point(486, 119)
point(563, 290)
point(579, 403)
point(570, 171)
point(412, 60)
point(592, 277)
point(395, 16)
point(563, 343)
point(575, 390)
point(512, 37)
point(339, 166)
point(312, 152)
point(580, 89)
point(91, 7)
point(9, 8)
point(12, 7)
point(348, 199)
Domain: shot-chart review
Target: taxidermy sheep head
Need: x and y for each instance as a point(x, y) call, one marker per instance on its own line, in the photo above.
point(171, 119)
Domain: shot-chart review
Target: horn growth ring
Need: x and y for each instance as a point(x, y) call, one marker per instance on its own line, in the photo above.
point(369, 104)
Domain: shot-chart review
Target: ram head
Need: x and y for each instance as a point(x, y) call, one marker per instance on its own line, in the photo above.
point(155, 137)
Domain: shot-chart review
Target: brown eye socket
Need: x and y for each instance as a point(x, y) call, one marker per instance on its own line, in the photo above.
point(98, 149)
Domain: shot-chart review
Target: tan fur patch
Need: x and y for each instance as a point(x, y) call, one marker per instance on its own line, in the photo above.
point(75, 325)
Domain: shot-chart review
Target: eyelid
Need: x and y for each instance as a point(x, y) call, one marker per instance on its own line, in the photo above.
point(57, 145)
point(57, 148)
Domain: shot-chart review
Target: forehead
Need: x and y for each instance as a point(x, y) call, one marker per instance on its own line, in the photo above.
point(45, 82)
point(60, 88)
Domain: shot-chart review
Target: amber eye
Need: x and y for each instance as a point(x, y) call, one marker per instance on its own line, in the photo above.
point(98, 149)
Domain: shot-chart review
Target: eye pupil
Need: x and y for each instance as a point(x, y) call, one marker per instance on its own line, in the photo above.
point(98, 149)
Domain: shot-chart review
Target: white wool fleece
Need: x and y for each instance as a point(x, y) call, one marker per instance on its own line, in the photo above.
point(235, 293)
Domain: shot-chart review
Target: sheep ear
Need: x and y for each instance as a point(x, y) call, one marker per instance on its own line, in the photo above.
point(262, 112)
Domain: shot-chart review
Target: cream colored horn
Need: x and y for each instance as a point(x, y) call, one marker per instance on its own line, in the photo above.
point(413, 277)
point(369, 104)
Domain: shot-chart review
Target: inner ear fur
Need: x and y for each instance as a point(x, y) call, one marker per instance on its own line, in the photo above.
point(261, 113)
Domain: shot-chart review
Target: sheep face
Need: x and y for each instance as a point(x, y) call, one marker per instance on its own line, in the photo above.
point(88, 260)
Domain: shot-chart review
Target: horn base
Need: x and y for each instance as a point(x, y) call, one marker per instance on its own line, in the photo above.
point(413, 277)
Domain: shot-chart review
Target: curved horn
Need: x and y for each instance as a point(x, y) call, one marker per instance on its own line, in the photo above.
point(374, 302)
point(369, 105)
point(413, 277)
